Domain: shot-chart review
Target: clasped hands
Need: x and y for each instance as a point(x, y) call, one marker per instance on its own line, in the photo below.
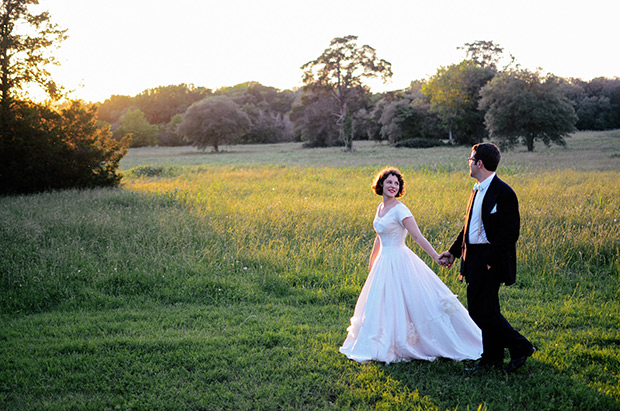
point(445, 259)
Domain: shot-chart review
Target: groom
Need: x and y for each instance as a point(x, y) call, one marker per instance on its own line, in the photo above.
point(487, 246)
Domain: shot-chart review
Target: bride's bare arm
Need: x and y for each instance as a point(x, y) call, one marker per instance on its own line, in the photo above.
point(374, 252)
point(416, 234)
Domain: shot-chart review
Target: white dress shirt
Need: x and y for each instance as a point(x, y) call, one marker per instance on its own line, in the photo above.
point(477, 235)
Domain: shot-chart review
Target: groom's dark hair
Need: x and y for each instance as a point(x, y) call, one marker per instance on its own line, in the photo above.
point(489, 154)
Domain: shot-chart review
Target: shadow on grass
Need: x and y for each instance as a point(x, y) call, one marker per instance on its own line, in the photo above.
point(105, 248)
point(536, 386)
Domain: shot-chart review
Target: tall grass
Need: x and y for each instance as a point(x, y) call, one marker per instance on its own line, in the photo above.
point(230, 286)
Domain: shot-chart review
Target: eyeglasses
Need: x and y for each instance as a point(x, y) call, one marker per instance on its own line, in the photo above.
point(472, 159)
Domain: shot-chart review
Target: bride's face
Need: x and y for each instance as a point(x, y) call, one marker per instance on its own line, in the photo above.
point(391, 186)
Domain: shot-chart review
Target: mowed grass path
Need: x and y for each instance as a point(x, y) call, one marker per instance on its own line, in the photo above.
point(226, 281)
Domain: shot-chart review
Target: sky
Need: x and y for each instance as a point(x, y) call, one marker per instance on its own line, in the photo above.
point(123, 47)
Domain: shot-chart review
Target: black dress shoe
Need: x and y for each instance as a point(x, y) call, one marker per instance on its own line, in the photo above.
point(518, 362)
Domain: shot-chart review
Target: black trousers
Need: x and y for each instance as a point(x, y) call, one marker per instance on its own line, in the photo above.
point(483, 305)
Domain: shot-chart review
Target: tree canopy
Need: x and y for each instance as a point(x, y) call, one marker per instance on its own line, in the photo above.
point(25, 40)
point(340, 72)
point(267, 108)
point(483, 53)
point(158, 104)
point(213, 121)
point(135, 125)
point(453, 93)
point(520, 104)
point(597, 103)
point(312, 120)
point(408, 117)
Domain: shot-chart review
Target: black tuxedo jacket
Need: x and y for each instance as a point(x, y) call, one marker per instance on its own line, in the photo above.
point(500, 216)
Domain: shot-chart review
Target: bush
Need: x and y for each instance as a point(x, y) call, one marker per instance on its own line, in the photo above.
point(43, 149)
point(141, 132)
point(419, 143)
point(152, 171)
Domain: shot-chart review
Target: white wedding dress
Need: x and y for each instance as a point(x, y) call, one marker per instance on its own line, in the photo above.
point(405, 311)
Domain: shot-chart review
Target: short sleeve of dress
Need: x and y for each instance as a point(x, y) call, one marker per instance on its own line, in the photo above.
point(402, 212)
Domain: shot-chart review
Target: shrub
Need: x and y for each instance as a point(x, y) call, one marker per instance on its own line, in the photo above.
point(152, 171)
point(43, 149)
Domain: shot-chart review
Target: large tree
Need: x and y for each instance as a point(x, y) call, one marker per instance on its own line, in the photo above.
point(454, 95)
point(340, 72)
point(521, 104)
point(213, 121)
point(25, 40)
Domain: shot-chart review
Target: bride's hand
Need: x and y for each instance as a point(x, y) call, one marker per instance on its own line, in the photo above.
point(439, 261)
point(446, 259)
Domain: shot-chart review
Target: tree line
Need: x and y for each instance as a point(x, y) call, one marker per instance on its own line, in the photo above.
point(73, 144)
point(463, 103)
point(156, 116)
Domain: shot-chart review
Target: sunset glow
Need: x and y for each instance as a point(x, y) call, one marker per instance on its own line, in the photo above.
point(125, 47)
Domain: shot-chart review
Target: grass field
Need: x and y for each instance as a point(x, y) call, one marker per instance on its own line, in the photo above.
point(226, 281)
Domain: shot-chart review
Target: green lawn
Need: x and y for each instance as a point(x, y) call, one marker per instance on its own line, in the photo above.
point(226, 281)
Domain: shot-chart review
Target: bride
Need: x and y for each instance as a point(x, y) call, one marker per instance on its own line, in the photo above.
point(405, 311)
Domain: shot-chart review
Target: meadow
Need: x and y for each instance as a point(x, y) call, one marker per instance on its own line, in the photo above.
point(213, 281)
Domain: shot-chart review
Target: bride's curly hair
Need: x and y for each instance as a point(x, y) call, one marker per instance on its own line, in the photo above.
point(377, 185)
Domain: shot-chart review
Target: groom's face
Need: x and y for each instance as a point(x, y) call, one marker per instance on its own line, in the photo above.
point(474, 168)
